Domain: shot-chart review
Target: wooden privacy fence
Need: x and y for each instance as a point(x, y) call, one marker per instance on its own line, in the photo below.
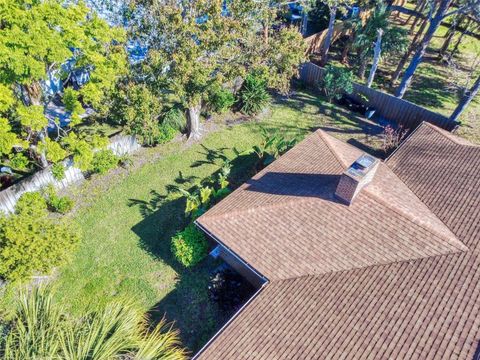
point(403, 112)
point(119, 144)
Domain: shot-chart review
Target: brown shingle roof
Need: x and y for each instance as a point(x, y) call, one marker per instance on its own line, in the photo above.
point(395, 275)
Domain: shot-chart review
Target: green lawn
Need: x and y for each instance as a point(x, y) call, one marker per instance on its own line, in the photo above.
point(125, 250)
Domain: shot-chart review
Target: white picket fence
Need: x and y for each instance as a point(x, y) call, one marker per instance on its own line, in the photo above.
point(119, 144)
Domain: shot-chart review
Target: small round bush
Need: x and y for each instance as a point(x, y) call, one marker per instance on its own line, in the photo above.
point(189, 246)
point(61, 204)
point(58, 171)
point(103, 161)
point(166, 133)
point(221, 100)
point(254, 96)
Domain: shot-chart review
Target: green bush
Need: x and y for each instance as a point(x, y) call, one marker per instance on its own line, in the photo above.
point(166, 133)
point(175, 118)
point(189, 246)
point(58, 171)
point(59, 204)
point(336, 81)
point(103, 161)
point(31, 242)
point(221, 100)
point(32, 204)
point(19, 161)
point(254, 96)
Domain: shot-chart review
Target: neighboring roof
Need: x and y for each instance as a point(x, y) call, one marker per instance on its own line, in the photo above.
point(395, 275)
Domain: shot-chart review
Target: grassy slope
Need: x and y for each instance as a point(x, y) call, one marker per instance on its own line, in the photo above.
point(125, 251)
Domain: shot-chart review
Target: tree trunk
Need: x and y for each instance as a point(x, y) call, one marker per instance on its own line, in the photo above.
point(417, 18)
point(346, 50)
point(328, 38)
point(266, 29)
point(363, 68)
point(32, 94)
point(193, 123)
point(459, 41)
point(465, 101)
point(418, 7)
point(450, 34)
point(411, 49)
point(417, 58)
point(377, 51)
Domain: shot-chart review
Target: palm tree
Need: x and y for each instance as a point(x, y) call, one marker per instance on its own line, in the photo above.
point(41, 329)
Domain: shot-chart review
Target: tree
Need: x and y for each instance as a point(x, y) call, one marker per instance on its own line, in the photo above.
point(31, 242)
point(196, 47)
point(466, 100)
point(376, 57)
point(42, 328)
point(441, 13)
point(53, 38)
point(336, 81)
point(393, 39)
point(334, 6)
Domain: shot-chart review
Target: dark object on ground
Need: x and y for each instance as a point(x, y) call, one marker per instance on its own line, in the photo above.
point(353, 105)
point(229, 289)
point(6, 181)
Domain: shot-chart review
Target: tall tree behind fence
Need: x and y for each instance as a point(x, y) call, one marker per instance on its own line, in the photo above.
point(403, 112)
point(119, 144)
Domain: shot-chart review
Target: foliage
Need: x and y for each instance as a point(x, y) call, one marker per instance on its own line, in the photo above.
point(8, 139)
point(73, 105)
point(189, 246)
point(392, 138)
point(394, 39)
point(272, 146)
point(19, 161)
point(253, 96)
point(42, 328)
point(32, 243)
point(59, 204)
point(44, 39)
point(58, 171)
point(52, 150)
point(103, 161)
point(82, 149)
point(142, 112)
point(166, 133)
point(174, 118)
point(336, 81)
point(207, 50)
point(221, 100)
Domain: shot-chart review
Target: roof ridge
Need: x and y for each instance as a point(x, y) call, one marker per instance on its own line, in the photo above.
point(349, 270)
point(450, 136)
point(321, 135)
point(455, 242)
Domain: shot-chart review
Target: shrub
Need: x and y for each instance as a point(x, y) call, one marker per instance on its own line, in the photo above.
point(103, 161)
point(19, 161)
point(336, 81)
point(253, 95)
point(30, 242)
point(392, 138)
point(41, 328)
point(175, 118)
point(166, 133)
point(32, 204)
point(189, 246)
point(59, 204)
point(221, 100)
point(58, 171)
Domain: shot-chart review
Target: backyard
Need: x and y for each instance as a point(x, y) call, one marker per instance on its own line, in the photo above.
point(127, 217)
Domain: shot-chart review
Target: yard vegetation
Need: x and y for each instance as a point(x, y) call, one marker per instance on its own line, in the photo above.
point(206, 87)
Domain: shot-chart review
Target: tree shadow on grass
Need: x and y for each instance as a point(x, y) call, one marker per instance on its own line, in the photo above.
point(196, 316)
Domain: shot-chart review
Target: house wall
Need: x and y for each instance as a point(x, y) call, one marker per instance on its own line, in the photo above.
point(241, 267)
